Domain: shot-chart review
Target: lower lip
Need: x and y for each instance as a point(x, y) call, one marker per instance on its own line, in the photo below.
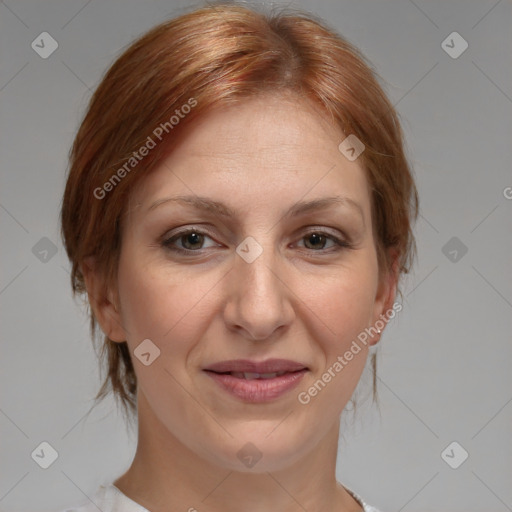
point(258, 390)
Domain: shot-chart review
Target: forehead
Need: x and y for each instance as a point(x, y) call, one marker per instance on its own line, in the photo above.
point(261, 151)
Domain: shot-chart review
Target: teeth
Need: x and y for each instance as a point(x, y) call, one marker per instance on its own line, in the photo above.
point(252, 376)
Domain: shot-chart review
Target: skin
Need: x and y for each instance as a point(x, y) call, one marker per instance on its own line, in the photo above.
point(301, 299)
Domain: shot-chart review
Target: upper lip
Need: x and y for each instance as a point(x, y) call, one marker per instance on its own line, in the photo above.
point(246, 365)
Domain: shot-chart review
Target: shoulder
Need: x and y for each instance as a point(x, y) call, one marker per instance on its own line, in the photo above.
point(101, 500)
point(364, 505)
point(369, 508)
point(107, 498)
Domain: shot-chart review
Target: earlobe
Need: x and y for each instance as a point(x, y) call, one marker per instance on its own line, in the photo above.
point(384, 299)
point(103, 301)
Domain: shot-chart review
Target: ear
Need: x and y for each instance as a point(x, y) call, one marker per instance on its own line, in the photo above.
point(104, 302)
point(385, 298)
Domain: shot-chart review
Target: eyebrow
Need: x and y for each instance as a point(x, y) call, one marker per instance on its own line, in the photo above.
point(222, 210)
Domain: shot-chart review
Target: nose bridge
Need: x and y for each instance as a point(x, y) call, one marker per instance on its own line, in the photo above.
point(259, 262)
point(258, 301)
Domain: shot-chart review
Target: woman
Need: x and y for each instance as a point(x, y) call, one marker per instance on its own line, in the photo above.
point(238, 211)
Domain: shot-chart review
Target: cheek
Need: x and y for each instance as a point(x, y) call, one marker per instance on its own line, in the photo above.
point(344, 309)
point(343, 303)
point(164, 305)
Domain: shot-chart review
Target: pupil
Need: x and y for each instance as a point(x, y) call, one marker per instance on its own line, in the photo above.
point(315, 236)
point(194, 237)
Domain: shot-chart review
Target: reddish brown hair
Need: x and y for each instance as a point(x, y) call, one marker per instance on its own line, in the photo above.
point(215, 55)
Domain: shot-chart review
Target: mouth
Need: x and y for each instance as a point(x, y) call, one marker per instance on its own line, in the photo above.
point(253, 381)
point(270, 367)
point(253, 375)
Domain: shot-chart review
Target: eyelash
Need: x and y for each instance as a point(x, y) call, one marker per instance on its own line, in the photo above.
point(341, 244)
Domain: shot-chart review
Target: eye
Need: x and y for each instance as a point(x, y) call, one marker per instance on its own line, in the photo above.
point(316, 240)
point(191, 241)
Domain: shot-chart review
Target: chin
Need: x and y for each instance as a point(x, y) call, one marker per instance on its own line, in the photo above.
point(249, 452)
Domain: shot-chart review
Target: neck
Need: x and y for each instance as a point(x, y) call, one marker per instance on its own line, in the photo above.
point(166, 475)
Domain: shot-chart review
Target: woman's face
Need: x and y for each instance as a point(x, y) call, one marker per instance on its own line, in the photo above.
point(263, 274)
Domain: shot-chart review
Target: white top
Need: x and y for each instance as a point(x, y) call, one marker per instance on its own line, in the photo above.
point(110, 499)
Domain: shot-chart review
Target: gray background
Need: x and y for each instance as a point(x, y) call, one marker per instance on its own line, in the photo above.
point(444, 361)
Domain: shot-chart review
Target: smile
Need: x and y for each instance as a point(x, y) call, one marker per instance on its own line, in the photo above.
point(257, 382)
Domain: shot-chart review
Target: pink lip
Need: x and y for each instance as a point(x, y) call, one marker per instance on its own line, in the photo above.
point(257, 390)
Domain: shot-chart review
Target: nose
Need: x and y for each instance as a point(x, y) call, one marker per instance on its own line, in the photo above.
point(259, 299)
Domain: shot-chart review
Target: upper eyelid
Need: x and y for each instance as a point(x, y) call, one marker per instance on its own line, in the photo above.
point(202, 230)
